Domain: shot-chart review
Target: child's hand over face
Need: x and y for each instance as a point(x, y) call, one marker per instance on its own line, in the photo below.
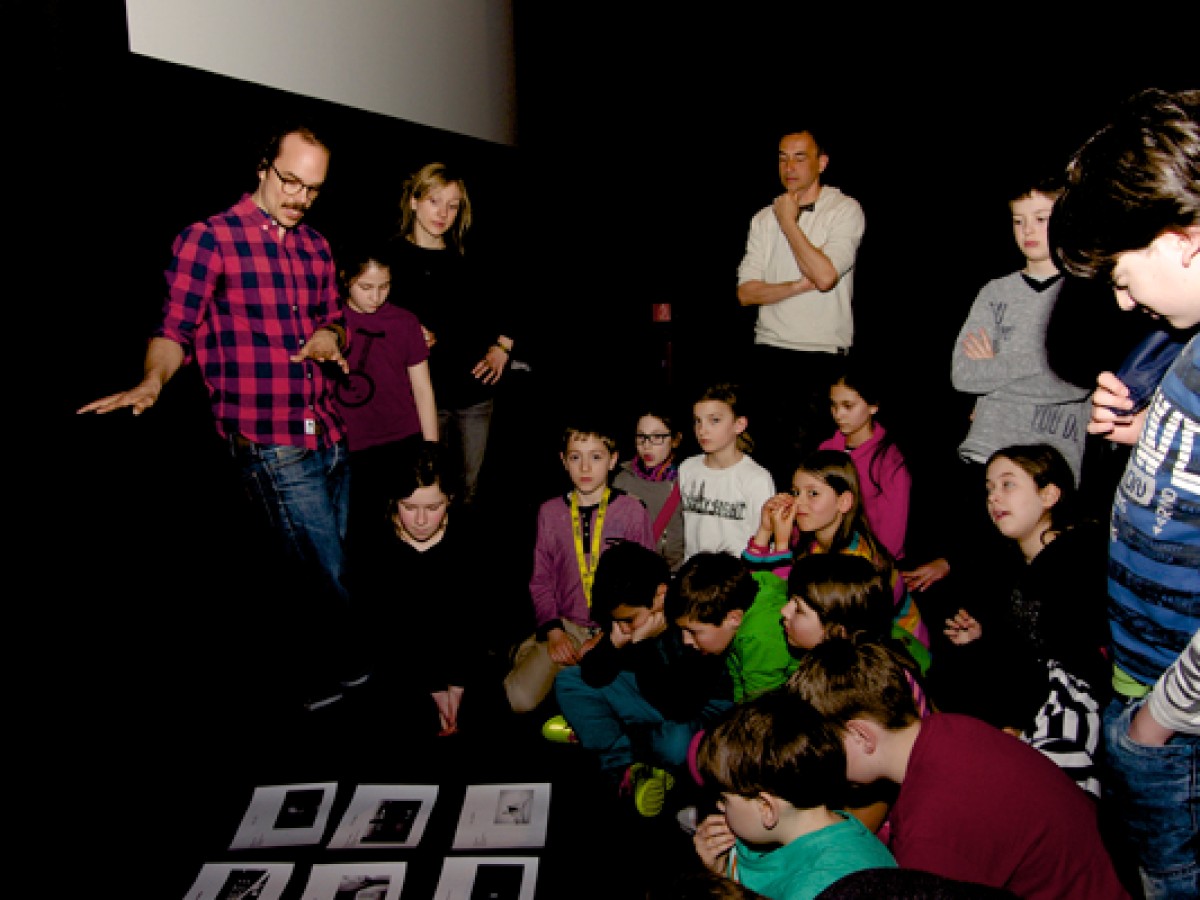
point(775, 506)
point(962, 628)
point(783, 519)
point(766, 524)
point(768, 509)
point(619, 636)
point(654, 625)
point(713, 840)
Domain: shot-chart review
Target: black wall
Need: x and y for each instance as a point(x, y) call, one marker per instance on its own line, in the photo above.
point(658, 130)
point(647, 141)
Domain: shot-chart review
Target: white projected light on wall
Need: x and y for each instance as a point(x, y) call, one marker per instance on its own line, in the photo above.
point(443, 63)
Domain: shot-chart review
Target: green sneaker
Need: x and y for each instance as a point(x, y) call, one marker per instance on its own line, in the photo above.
point(650, 786)
point(558, 730)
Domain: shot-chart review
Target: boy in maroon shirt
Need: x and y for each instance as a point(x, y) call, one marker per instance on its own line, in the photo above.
point(975, 803)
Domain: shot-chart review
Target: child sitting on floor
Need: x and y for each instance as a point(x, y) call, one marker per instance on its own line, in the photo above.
point(824, 514)
point(726, 610)
point(640, 695)
point(780, 770)
point(974, 803)
point(723, 487)
point(652, 475)
point(572, 532)
point(883, 476)
point(839, 595)
point(1042, 622)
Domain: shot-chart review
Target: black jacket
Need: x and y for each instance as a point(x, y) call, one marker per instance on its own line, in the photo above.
point(675, 679)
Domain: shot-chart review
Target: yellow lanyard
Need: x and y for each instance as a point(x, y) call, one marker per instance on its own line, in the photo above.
point(587, 564)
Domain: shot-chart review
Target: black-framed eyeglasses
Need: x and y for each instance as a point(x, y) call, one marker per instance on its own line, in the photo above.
point(293, 186)
point(656, 440)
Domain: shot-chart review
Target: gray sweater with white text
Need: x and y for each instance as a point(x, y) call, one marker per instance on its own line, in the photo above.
point(1020, 400)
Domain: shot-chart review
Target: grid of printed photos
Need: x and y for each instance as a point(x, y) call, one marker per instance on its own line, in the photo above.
point(495, 819)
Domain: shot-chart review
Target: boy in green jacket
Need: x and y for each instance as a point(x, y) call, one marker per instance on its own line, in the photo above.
point(725, 609)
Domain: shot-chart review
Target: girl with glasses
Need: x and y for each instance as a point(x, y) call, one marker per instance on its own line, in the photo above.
point(652, 476)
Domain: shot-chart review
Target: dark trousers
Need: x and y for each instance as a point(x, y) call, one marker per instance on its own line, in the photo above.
point(788, 404)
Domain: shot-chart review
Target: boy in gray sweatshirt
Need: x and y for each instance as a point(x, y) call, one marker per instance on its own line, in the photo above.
point(1000, 354)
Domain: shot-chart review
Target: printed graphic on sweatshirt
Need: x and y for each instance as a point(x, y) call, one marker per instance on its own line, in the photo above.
point(1166, 454)
point(1001, 333)
point(696, 502)
point(1058, 419)
point(358, 388)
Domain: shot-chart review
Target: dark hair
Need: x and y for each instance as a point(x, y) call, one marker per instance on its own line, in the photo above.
point(709, 586)
point(627, 574)
point(847, 592)
point(846, 679)
point(418, 464)
point(1046, 465)
point(836, 469)
point(1048, 184)
point(866, 380)
point(812, 130)
point(354, 257)
point(776, 743)
point(662, 409)
point(1134, 179)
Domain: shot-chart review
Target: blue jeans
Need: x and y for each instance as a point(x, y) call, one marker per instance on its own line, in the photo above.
point(303, 496)
point(465, 432)
point(1152, 795)
point(604, 717)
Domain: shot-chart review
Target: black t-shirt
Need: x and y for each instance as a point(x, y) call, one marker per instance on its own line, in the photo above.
point(453, 298)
